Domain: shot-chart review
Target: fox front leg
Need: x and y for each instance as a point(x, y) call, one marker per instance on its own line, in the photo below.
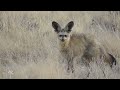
point(70, 66)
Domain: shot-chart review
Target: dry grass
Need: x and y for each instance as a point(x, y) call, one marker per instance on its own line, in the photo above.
point(28, 45)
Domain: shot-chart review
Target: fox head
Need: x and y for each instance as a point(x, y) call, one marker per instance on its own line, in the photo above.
point(63, 33)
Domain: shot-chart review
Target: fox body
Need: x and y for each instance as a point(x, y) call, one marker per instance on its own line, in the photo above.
point(73, 45)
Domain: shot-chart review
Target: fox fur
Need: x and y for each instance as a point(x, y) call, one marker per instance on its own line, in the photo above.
point(82, 45)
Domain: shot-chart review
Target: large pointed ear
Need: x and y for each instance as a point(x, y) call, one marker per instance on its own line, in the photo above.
point(69, 26)
point(56, 26)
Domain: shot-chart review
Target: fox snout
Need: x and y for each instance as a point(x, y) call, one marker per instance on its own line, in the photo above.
point(62, 40)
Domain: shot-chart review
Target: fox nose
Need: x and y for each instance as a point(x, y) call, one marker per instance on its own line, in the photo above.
point(62, 40)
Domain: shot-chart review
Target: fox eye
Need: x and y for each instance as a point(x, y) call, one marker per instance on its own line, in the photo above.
point(60, 35)
point(65, 35)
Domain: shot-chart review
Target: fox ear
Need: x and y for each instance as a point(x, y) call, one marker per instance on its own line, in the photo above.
point(56, 26)
point(69, 26)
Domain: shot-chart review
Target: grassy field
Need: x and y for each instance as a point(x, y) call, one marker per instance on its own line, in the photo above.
point(29, 49)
